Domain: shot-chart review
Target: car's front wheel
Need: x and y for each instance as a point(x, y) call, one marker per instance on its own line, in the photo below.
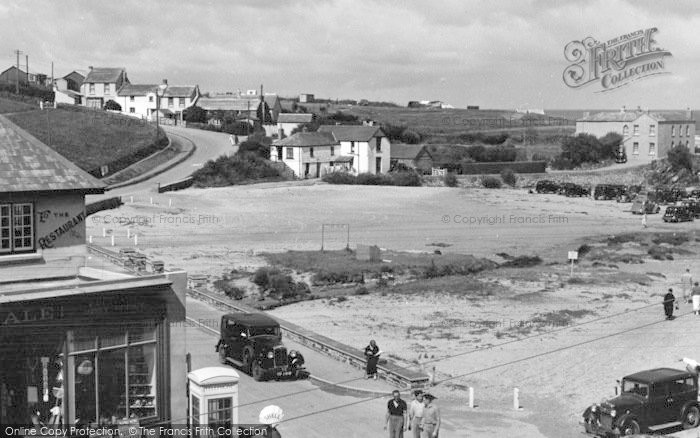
point(691, 419)
point(630, 427)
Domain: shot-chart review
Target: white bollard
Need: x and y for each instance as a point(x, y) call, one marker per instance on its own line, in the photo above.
point(136, 239)
point(151, 200)
point(132, 199)
point(104, 232)
point(471, 397)
point(90, 239)
point(516, 399)
point(170, 202)
point(128, 233)
point(112, 239)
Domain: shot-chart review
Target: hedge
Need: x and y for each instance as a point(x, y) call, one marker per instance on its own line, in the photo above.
point(496, 168)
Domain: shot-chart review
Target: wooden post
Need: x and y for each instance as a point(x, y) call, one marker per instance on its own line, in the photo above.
point(516, 399)
point(471, 397)
point(136, 239)
point(112, 239)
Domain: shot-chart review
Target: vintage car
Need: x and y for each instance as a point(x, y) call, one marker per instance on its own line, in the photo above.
point(608, 191)
point(621, 156)
point(253, 342)
point(629, 193)
point(547, 186)
point(649, 400)
point(678, 213)
point(694, 207)
point(571, 189)
point(641, 206)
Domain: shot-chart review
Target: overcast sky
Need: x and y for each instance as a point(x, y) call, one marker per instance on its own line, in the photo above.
point(493, 54)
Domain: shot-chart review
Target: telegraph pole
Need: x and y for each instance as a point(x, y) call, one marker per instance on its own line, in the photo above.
point(52, 74)
point(17, 52)
point(26, 65)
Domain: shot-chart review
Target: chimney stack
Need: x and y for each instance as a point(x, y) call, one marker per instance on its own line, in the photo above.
point(165, 82)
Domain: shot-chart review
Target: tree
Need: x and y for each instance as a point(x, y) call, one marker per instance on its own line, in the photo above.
point(268, 115)
point(610, 145)
point(112, 106)
point(679, 157)
point(195, 114)
point(583, 148)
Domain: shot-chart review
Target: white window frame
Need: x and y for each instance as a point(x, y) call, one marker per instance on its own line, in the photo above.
point(652, 130)
point(625, 131)
point(13, 227)
point(635, 148)
point(289, 153)
point(635, 130)
point(652, 148)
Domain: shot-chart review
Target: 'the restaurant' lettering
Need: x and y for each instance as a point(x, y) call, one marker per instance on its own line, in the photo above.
point(47, 240)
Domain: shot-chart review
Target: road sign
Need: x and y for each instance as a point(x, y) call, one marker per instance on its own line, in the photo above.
point(573, 255)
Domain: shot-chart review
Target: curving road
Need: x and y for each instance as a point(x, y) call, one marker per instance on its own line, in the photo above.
point(210, 145)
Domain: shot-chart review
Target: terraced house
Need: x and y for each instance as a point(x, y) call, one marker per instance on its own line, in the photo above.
point(102, 85)
point(647, 136)
point(140, 100)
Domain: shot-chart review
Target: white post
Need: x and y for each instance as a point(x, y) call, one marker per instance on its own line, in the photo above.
point(572, 267)
point(132, 199)
point(151, 200)
point(471, 397)
point(104, 232)
point(128, 233)
point(516, 399)
point(90, 238)
point(112, 239)
point(136, 239)
point(54, 104)
point(170, 202)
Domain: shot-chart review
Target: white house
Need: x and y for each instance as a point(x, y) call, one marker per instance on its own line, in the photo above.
point(139, 100)
point(310, 154)
point(287, 122)
point(368, 145)
point(102, 85)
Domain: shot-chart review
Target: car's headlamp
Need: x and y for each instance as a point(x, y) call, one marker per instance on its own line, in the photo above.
point(270, 354)
point(293, 353)
point(594, 408)
point(613, 413)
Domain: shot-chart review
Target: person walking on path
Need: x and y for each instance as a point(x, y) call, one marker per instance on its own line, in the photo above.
point(696, 298)
point(396, 418)
point(644, 219)
point(415, 413)
point(686, 285)
point(372, 353)
point(430, 425)
point(669, 301)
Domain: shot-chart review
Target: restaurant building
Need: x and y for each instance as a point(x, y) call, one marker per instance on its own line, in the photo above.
point(82, 341)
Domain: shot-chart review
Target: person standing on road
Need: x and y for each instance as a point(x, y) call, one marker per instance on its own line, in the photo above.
point(430, 425)
point(230, 138)
point(415, 413)
point(669, 301)
point(396, 418)
point(372, 354)
point(644, 219)
point(695, 294)
point(686, 285)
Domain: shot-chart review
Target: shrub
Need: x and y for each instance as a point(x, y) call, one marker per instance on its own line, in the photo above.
point(679, 158)
point(236, 169)
point(370, 179)
point(410, 137)
point(361, 291)
point(509, 177)
point(450, 180)
point(522, 262)
point(339, 178)
point(231, 291)
point(491, 182)
point(537, 156)
point(112, 106)
point(405, 179)
point(262, 275)
point(583, 250)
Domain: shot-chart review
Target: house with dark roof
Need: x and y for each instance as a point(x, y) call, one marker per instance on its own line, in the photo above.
point(414, 156)
point(12, 75)
point(60, 294)
point(369, 146)
point(102, 85)
point(243, 106)
point(311, 154)
point(647, 135)
point(140, 100)
point(288, 122)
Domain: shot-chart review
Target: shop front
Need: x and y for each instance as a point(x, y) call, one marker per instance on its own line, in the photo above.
point(89, 359)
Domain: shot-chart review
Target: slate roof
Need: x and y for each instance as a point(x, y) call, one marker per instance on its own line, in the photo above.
point(104, 74)
point(26, 164)
point(308, 139)
point(630, 116)
point(227, 104)
point(352, 132)
point(180, 91)
point(295, 118)
point(137, 89)
point(407, 151)
point(74, 75)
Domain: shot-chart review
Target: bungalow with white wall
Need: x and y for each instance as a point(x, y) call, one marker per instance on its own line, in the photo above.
point(139, 100)
point(288, 122)
point(368, 145)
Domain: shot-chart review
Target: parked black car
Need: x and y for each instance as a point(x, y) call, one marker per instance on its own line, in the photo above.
point(668, 195)
point(547, 186)
point(621, 156)
point(607, 191)
point(694, 207)
point(253, 342)
point(629, 193)
point(571, 189)
point(649, 401)
point(678, 213)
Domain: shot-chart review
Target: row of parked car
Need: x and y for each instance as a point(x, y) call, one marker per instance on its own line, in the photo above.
point(685, 204)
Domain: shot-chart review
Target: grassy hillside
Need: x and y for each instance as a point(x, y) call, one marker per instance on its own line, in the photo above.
point(90, 138)
point(13, 106)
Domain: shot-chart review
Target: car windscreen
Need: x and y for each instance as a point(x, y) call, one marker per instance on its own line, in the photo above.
point(632, 387)
point(269, 330)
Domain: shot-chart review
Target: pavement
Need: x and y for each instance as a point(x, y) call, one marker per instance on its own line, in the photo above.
point(331, 374)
